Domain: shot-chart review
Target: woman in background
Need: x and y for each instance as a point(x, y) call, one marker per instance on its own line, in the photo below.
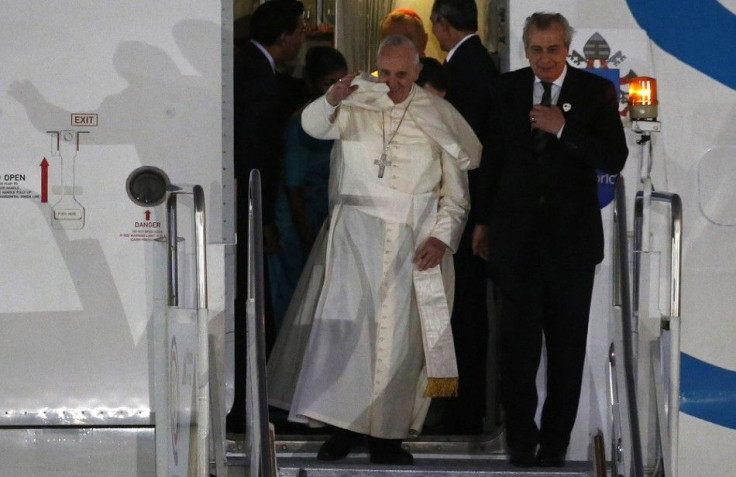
point(301, 206)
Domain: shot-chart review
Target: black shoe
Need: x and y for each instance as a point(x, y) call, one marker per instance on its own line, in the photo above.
point(550, 458)
point(389, 451)
point(522, 458)
point(339, 445)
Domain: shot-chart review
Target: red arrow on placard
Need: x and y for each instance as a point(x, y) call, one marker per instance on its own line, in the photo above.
point(44, 181)
point(148, 215)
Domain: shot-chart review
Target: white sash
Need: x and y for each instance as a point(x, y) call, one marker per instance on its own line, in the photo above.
point(418, 212)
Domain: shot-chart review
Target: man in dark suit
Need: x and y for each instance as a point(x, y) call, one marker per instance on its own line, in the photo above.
point(544, 236)
point(470, 73)
point(262, 108)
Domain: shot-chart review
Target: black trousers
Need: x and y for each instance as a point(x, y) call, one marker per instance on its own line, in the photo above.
point(549, 303)
point(465, 413)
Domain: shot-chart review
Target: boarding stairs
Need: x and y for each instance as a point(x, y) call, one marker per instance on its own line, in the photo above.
point(619, 454)
point(259, 453)
point(449, 457)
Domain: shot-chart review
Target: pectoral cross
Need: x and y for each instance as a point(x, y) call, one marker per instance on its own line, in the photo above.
point(382, 163)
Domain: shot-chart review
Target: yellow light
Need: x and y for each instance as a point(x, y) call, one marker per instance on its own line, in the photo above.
point(643, 90)
point(643, 98)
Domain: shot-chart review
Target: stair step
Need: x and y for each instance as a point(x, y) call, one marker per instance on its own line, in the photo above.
point(442, 457)
point(359, 466)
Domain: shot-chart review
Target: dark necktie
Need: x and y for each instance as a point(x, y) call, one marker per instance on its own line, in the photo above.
point(539, 137)
point(547, 95)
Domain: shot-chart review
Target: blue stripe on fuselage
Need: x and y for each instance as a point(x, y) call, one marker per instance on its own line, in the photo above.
point(707, 391)
point(700, 33)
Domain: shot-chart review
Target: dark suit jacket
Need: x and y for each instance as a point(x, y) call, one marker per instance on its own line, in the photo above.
point(548, 207)
point(470, 75)
point(264, 100)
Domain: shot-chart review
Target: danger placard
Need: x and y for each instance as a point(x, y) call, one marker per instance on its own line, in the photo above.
point(145, 230)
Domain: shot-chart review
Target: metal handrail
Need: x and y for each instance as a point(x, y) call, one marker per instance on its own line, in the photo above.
point(200, 247)
point(263, 450)
point(671, 322)
point(622, 299)
point(203, 355)
point(615, 405)
point(173, 257)
point(200, 237)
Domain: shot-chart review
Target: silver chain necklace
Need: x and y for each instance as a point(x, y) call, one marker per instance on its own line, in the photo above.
point(383, 161)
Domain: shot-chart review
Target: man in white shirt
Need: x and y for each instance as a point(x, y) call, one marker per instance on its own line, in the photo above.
point(277, 31)
point(552, 127)
point(470, 75)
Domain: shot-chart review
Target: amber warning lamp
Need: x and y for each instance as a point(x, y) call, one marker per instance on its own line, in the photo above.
point(643, 98)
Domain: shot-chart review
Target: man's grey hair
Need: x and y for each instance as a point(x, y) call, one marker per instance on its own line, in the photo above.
point(398, 41)
point(544, 21)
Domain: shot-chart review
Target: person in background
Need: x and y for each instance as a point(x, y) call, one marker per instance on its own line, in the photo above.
point(470, 75)
point(277, 30)
point(433, 77)
point(406, 22)
point(301, 206)
point(369, 341)
point(552, 127)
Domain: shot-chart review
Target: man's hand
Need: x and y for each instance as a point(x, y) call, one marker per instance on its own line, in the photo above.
point(547, 118)
point(480, 241)
point(341, 89)
point(430, 254)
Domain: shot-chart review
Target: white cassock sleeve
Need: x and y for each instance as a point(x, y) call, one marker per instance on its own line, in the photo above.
point(318, 120)
point(454, 203)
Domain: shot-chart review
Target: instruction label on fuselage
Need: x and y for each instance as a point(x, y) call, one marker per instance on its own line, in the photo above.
point(13, 186)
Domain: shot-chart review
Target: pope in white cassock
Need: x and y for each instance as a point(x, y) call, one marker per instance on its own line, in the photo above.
point(367, 338)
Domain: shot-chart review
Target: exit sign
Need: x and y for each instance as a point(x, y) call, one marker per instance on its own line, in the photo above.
point(84, 119)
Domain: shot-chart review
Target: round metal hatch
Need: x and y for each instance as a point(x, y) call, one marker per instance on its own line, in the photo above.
point(147, 186)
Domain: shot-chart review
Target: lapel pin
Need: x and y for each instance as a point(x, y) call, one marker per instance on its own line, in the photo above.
point(566, 107)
